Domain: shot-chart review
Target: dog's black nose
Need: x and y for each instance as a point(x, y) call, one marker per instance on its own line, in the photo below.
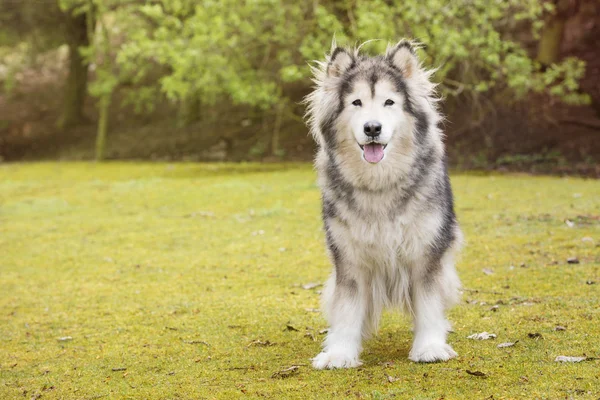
point(372, 128)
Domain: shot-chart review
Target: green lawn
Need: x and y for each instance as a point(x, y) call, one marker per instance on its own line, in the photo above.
point(127, 280)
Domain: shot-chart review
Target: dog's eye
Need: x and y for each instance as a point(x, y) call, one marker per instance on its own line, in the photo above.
point(389, 102)
point(357, 103)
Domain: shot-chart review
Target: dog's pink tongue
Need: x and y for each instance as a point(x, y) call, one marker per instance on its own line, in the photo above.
point(373, 152)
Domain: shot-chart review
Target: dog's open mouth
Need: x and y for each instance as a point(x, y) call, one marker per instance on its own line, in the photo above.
point(373, 152)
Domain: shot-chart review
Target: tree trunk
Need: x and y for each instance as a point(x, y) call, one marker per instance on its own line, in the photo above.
point(549, 47)
point(190, 110)
point(552, 33)
point(102, 126)
point(276, 128)
point(76, 86)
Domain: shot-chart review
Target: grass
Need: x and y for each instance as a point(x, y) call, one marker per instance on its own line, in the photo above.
point(169, 281)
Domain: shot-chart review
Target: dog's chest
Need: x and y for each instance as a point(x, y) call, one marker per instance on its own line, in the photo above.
point(384, 237)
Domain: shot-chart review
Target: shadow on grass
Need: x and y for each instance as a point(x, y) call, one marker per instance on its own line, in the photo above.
point(388, 346)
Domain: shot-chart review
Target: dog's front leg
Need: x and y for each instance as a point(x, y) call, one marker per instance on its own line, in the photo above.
point(430, 324)
point(346, 306)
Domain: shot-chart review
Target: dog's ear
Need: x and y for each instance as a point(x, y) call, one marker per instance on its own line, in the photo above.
point(404, 57)
point(339, 62)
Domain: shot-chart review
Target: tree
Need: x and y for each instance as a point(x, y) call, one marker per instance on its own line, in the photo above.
point(37, 27)
point(254, 53)
point(78, 29)
point(250, 52)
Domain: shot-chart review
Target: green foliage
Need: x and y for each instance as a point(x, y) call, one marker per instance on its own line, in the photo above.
point(471, 43)
point(12, 60)
point(244, 52)
point(255, 53)
point(248, 52)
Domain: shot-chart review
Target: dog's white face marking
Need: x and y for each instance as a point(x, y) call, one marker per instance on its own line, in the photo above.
point(373, 114)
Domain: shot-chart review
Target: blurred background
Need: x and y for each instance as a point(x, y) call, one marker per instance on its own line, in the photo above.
point(223, 80)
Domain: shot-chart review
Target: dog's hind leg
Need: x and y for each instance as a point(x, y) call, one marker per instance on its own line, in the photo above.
point(346, 307)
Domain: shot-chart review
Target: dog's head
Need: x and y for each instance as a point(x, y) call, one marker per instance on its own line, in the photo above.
point(372, 110)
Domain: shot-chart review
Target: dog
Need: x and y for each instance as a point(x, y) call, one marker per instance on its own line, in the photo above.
point(387, 204)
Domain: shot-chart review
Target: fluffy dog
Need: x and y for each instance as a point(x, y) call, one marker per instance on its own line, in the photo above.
point(388, 212)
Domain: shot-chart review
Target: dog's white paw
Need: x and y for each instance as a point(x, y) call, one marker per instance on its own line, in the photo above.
point(432, 352)
point(335, 359)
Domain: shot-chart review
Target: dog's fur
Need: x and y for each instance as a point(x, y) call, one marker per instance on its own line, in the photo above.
point(390, 226)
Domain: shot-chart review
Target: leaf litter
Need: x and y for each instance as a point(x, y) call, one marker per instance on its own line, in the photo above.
point(290, 327)
point(569, 359)
point(311, 285)
point(560, 328)
point(482, 336)
point(477, 373)
point(286, 373)
point(261, 343)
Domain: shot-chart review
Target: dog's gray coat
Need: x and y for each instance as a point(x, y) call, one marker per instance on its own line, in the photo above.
point(390, 226)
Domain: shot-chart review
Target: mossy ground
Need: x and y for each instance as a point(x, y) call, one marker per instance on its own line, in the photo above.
point(179, 281)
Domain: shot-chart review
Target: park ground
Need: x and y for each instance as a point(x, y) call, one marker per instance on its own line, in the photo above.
point(186, 280)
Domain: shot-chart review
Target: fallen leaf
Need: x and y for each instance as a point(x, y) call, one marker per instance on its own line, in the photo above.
point(286, 373)
point(391, 379)
point(482, 336)
point(507, 344)
point(494, 308)
point(477, 373)
point(573, 260)
point(569, 223)
point(65, 338)
point(488, 271)
point(311, 285)
point(535, 335)
point(560, 328)
point(252, 367)
point(260, 343)
point(196, 342)
point(569, 359)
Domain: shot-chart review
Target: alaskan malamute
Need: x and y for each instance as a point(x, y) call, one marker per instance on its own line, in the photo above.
point(388, 211)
